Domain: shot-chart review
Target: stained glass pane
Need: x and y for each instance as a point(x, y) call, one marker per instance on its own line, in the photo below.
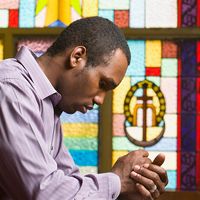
point(9, 4)
point(3, 18)
point(137, 13)
point(26, 13)
point(80, 130)
point(161, 13)
point(189, 13)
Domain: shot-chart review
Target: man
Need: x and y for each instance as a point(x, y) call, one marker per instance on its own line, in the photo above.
point(89, 58)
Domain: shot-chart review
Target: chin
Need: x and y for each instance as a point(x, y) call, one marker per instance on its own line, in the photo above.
point(67, 109)
point(70, 111)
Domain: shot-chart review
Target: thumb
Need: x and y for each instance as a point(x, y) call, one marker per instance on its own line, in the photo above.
point(159, 159)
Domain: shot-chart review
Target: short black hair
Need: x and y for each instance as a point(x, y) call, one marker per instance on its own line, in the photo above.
point(100, 36)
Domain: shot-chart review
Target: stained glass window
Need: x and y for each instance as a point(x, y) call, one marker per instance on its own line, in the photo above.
point(156, 107)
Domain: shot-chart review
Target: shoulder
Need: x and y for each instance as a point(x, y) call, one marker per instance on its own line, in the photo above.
point(14, 89)
point(15, 78)
point(10, 68)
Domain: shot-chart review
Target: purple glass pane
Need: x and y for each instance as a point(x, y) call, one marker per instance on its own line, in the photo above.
point(189, 13)
point(188, 132)
point(188, 59)
point(188, 171)
point(188, 97)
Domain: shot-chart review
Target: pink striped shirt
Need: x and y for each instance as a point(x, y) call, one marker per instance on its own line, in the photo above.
point(34, 164)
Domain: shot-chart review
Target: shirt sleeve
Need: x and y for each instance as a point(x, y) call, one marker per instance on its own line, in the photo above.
point(27, 170)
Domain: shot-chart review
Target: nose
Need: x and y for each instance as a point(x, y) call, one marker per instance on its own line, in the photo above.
point(99, 98)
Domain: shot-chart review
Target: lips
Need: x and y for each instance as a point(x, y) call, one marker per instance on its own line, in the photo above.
point(90, 107)
point(84, 109)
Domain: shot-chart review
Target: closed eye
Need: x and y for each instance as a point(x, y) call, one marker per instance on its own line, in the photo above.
point(103, 85)
point(107, 84)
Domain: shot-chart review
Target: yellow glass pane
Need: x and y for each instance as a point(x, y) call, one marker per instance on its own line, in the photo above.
point(153, 53)
point(52, 12)
point(90, 8)
point(119, 95)
point(80, 129)
point(65, 11)
point(117, 154)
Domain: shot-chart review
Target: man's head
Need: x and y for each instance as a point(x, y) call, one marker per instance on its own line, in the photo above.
point(99, 36)
point(95, 56)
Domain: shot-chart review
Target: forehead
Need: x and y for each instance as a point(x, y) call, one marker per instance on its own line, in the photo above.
point(116, 67)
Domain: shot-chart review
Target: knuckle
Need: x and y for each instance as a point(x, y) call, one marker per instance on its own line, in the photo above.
point(163, 171)
point(149, 161)
point(151, 184)
point(156, 177)
point(136, 152)
point(157, 194)
point(148, 195)
point(162, 189)
point(122, 159)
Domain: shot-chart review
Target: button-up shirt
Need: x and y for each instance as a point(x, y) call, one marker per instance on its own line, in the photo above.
point(34, 163)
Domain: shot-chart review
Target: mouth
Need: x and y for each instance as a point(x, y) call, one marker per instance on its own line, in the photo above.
point(84, 109)
point(89, 107)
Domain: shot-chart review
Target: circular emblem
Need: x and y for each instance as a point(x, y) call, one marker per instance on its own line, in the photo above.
point(144, 110)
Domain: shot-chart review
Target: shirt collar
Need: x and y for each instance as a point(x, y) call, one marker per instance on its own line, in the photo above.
point(41, 82)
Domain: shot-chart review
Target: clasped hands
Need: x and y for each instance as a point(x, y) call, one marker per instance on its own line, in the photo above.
point(141, 178)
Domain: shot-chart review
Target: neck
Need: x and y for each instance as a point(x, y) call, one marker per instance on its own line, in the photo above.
point(53, 67)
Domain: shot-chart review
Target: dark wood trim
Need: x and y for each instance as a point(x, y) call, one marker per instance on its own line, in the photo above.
point(31, 31)
point(8, 45)
point(105, 135)
point(10, 35)
point(180, 196)
point(131, 33)
point(166, 33)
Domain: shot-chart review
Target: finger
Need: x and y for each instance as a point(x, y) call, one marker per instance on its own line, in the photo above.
point(144, 192)
point(148, 185)
point(155, 194)
point(158, 170)
point(145, 153)
point(159, 159)
point(146, 182)
point(153, 175)
point(152, 178)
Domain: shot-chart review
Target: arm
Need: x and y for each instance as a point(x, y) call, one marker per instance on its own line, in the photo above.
point(27, 170)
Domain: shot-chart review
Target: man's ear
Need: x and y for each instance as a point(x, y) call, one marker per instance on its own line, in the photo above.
point(78, 56)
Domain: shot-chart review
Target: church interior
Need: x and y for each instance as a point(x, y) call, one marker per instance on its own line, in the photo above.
point(156, 107)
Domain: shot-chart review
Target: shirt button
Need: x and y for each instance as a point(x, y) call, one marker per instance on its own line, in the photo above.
point(113, 196)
